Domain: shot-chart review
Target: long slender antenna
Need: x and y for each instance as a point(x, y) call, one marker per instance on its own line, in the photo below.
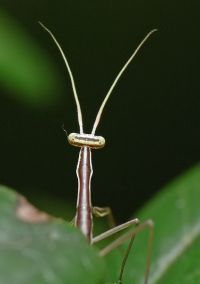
point(80, 119)
point(98, 117)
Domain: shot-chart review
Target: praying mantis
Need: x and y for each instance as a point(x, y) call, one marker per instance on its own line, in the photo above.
point(87, 142)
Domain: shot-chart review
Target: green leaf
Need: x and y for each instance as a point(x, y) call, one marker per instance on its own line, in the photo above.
point(52, 251)
point(176, 253)
point(25, 69)
point(35, 248)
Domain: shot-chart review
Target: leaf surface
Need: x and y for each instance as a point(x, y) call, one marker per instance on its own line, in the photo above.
point(25, 69)
point(42, 250)
point(176, 254)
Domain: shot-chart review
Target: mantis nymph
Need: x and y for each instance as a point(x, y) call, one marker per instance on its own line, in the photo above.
point(86, 142)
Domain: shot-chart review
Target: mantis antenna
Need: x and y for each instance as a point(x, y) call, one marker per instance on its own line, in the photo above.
point(98, 117)
point(80, 119)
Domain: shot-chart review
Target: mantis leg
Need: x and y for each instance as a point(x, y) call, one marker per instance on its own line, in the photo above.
point(128, 235)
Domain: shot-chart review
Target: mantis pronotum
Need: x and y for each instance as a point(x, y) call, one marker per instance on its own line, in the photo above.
point(86, 142)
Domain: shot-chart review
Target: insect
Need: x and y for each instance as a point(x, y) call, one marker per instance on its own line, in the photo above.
point(84, 171)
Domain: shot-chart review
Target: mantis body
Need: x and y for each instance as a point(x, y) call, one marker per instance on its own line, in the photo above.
point(86, 142)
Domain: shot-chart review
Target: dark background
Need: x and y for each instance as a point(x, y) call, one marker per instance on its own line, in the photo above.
point(151, 123)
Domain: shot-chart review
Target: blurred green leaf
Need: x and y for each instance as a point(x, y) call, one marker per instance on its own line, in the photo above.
point(43, 251)
point(176, 214)
point(25, 68)
point(53, 251)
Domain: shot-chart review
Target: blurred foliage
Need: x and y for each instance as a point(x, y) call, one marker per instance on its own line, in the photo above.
point(25, 68)
point(42, 250)
point(176, 254)
point(52, 251)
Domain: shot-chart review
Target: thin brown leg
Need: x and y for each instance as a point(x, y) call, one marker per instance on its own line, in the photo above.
point(129, 235)
point(124, 260)
point(114, 230)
